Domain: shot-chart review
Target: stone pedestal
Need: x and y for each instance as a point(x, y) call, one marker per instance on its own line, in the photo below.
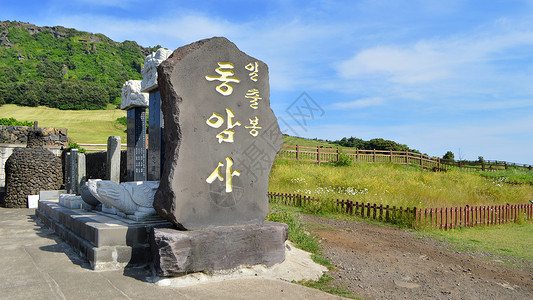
point(106, 241)
point(220, 248)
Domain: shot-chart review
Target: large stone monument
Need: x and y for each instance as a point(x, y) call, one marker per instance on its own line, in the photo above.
point(221, 140)
point(221, 134)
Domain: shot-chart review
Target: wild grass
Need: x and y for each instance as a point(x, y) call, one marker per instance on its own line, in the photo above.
point(304, 240)
point(84, 126)
point(512, 175)
point(389, 184)
point(510, 240)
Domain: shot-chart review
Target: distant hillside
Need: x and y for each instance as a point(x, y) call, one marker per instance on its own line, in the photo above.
point(64, 68)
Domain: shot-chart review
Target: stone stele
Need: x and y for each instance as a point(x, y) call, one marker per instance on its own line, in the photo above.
point(132, 96)
point(221, 136)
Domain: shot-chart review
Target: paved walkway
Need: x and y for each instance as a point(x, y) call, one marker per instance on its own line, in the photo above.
point(36, 264)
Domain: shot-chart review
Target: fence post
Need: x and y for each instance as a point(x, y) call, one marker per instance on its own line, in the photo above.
point(483, 166)
point(505, 164)
point(391, 156)
point(421, 160)
point(374, 151)
point(338, 154)
point(417, 216)
point(297, 153)
point(356, 154)
point(318, 154)
point(406, 157)
point(439, 162)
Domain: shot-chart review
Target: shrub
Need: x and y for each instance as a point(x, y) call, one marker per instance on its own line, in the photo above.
point(14, 122)
point(344, 160)
point(74, 145)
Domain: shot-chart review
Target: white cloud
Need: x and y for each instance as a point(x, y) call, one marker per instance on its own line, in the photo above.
point(360, 103)
point(434, 59)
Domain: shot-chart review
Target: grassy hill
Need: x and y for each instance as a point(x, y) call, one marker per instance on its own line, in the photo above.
point(64, 68)
point(84, 126)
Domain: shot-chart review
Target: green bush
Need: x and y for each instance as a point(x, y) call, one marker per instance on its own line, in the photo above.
point(14, 122)
point(74, 145)
point(344, 161)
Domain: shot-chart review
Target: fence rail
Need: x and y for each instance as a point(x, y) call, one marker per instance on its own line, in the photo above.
point(99, 147)
point(440, 218)
point(333, 155)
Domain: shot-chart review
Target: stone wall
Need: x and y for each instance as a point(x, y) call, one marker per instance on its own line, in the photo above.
point(19, 135)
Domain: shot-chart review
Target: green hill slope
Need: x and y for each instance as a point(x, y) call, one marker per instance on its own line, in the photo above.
point(64, 68)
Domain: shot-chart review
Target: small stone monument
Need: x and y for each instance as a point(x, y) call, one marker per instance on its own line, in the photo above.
point(222, 138)
point(135, 103)
point(30, 170)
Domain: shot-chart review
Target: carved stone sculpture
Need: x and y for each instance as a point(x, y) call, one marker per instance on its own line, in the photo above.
point(132, 96)
point(149, 70)
point(132, 198)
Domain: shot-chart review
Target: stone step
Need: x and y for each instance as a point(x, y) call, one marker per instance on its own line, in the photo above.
point(106, 241)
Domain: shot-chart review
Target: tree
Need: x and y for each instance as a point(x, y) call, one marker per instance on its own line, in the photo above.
point(449, 156)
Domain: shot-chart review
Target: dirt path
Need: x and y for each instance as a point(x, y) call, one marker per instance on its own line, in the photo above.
point(388, 263)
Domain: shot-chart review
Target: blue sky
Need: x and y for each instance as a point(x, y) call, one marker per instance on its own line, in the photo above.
point(435, 75)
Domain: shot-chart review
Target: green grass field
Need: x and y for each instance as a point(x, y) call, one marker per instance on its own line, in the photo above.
point(84, 126)
point(398, 185)
point(510, 240)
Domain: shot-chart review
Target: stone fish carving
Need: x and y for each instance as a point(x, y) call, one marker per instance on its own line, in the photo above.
point(149, 70)
point(132, 198)
point(132, 96)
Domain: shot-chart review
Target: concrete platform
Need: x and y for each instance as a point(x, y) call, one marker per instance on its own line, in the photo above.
point(36, 264)
point(106, 241)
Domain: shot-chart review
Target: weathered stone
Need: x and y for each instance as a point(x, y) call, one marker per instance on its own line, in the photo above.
point(87, 197)
point(220, 248)
point(149, 70)
point(132, 96)
point(221, 136)
point(30, 170)
point(19, 135)
point(113, 159)
point(131, 198)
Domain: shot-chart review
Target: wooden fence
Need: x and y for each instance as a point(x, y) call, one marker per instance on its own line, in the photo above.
point(332, 155)
point(440, 218)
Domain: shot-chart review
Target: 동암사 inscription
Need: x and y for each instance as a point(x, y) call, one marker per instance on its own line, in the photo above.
point(215, 101)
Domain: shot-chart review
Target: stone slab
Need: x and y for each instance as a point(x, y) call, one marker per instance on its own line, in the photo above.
point(106, 242)
point(221, 135)
point(178, 252)
point(113, 159)
point(33, 201)
point(136, 140)
point(73, 201)
point(50, 195)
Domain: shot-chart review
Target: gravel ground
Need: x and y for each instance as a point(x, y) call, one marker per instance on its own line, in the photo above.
point(381, 262)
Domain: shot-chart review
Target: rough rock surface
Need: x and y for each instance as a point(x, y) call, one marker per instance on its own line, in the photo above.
point(30, 170)
point(221, 136)
point(220, 248)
